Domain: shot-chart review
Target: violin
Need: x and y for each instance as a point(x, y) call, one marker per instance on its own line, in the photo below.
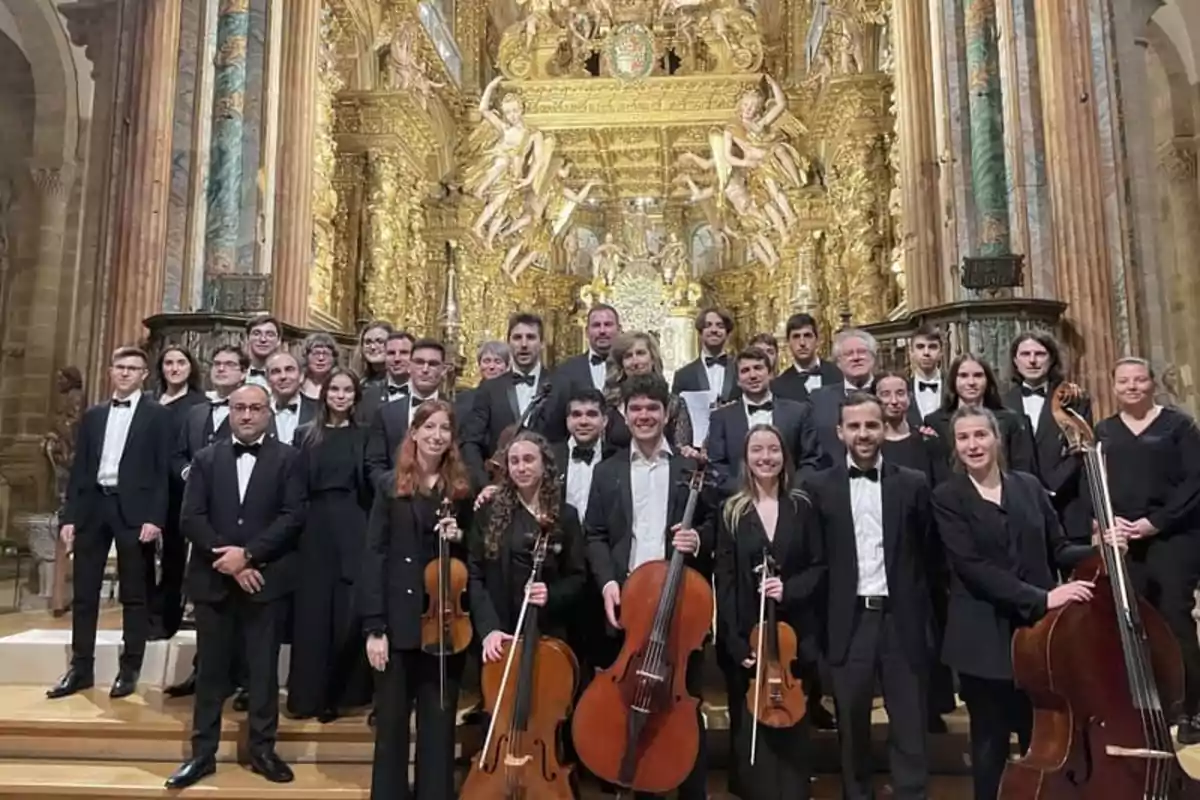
point(775, 698)
point(522, 762)
point(1102, 675)
point(495, 464)
point(636, 724)
point(445, 625)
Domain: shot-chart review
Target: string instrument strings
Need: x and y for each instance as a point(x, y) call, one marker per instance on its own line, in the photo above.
point(445, 625)
point(777, 699)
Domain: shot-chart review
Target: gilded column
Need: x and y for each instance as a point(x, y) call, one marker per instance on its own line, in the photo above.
point(139, 257)
point(294, 180)
point(988, 179)
point(920, 217)
point(225, 162)
point(386, 223)
point(1083, 260)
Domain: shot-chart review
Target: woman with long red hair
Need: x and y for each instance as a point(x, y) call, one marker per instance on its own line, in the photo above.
point(402, 537)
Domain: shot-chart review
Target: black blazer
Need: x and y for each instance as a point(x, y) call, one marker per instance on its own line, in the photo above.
point(375, 396)
point(350, 539)
point(496, 408)
point(608, 525)
point(308, 412)
point(1016, 441)
point(907, 530)
point(384, 437)
point(826, 413)
point(143, 476)
point(196, 434)
point(693, 377)
point(801, 564)
point(792, 384)
point(999, 572)
point(569, 377)
point(267, 522)
point(914, 416)
point(729, 426)
point(491, 583)
point(391, 589)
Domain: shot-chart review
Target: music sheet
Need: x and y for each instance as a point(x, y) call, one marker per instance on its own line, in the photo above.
point(699, 406)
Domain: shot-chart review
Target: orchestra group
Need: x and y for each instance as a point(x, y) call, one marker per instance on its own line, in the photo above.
point(838, 533)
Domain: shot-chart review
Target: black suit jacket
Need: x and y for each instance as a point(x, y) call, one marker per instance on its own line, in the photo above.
point(266, 522)
point(914, 416)
point(494, 410)
point(999, 573)
point(1014, 433)
point(374, 397)
point(142, 478)
point(826, 413)
point(729, 426)
point(791, 384)
point(693, 377)
point(308, 412)
point(388, 429)
point(569, 377)
point(196, 434)
point(608, 525)
point(906, 541)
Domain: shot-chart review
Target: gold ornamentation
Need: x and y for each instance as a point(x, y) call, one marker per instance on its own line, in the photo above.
point(406, 69)
point(321, 295)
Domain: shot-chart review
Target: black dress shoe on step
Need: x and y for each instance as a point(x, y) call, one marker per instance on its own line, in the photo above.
point(125, 684)
point(73, 681)
point(191, 772)
point(271, 767)
point(241, 700)
point(185, 689)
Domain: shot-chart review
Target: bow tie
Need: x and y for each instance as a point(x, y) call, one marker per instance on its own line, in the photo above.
point(240, 449)
point(522, 378)
point(871, 474)
point(925, 386)
point(710, 361)
point(584, 454)
point(815, 372)
point(597, 359)
point(394, 390)
point(1030, 391)
point(754, 409)
point(255, 372)
point(122, 403)
point(221, 403)
point(288, 407)
point(416, 401)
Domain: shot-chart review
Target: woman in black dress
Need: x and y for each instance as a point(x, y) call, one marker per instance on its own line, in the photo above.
point(768, 514)
point(1152, 454)
point(402, 537)
point(328, 670)
point(997, 527)
point(368, 361)
point(970, 381)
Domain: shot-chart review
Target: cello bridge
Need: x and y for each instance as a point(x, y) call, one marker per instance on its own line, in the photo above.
point(1137, 752)
point(517, 761)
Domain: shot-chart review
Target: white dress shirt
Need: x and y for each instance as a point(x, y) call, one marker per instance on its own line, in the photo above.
point(116, 433)
point(758, 417)
point(927, 400)
point(525, 393)
point(401, 391)
point(220, 410)
point(1033, 405)
point(812, 380)
point(245, 468)
point(287, 419)
point(599, 371)
point(716, 375)
point(650, 486)
point(866, 507)
point(258, 377)
point(579, 477)
point(415, 400)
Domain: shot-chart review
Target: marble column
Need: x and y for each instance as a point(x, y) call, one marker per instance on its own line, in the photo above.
point(920, 218)
point(294, 178)
point(1083, 260)
point(988, 178)
point(136, 289)
point(1177, 169)
point(225, 162)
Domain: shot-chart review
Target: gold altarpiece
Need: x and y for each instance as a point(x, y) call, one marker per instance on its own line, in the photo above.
point(658, 156)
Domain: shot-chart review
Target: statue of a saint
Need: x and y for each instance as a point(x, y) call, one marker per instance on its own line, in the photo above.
point(607, 260)
point(406, 67)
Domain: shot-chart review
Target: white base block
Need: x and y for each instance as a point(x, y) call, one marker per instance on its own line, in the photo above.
point(41, 655)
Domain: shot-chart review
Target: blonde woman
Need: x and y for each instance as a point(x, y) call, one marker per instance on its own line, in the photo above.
point(637, 353)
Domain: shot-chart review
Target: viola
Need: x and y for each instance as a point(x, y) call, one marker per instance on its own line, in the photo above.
point(1102, 676)
point(775, 698)
point(495, 464)
point(636, 724)
point(522, 762)
point(445, 624)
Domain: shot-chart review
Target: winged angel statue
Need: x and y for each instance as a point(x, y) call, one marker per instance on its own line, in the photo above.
point(754, 165)
point(522, 183)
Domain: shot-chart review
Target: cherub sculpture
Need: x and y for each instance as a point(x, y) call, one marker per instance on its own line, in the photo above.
point(407, 69)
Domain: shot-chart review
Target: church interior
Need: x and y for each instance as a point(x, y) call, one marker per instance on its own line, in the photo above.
point(171, 168)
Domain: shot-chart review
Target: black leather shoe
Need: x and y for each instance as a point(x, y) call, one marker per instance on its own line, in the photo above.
point(190, 772)
point(185, 689)
point(328, 715)
point(125, 684)
point(820, 718)
point(271, 767)
point(75, 680)
point(241, 700)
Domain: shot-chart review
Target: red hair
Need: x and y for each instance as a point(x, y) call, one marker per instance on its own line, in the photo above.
point(452, 473)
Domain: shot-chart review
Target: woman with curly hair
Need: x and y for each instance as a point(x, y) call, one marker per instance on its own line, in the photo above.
point(402, 537)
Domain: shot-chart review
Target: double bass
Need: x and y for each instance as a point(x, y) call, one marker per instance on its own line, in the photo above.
point(521, 762)
point(775, 697)
point(636, 724)
point(1102, 675)
point(445, 625)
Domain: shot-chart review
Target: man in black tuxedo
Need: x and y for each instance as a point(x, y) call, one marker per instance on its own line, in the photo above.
point(875, 521)
point(390, 423)
point(207, 421)
point(711, 372)
point(925, 386)
point(262, 340)
point(118, 490)
point(854, 351)
point(809, 371)
point(757, 406)
point(633, 517)
point(242, 512)
point(588, 369)
point(503, 400)
point(394, 387)
point(290, 408)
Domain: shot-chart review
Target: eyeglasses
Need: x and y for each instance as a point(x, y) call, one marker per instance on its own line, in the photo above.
point(422, 362)
point(127, 368)
point(264, 335)
point(254, 408)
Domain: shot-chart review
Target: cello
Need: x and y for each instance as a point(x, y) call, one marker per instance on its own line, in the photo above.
point(775, 698)
point(1102, 675)
point(445, 625)
point(522, 762)
point(636, 724)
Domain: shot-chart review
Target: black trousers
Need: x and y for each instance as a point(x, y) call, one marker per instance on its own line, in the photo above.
point(135, 561)
point(782, 768)
point(329, 662)
point(1165, 572)
point(875, 655)
point(997, 709)
point(219, 626)
point(412, 681)
point(166, 594)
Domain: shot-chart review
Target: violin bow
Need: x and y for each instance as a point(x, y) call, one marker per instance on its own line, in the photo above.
point(763, 571)
point(442, 600)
